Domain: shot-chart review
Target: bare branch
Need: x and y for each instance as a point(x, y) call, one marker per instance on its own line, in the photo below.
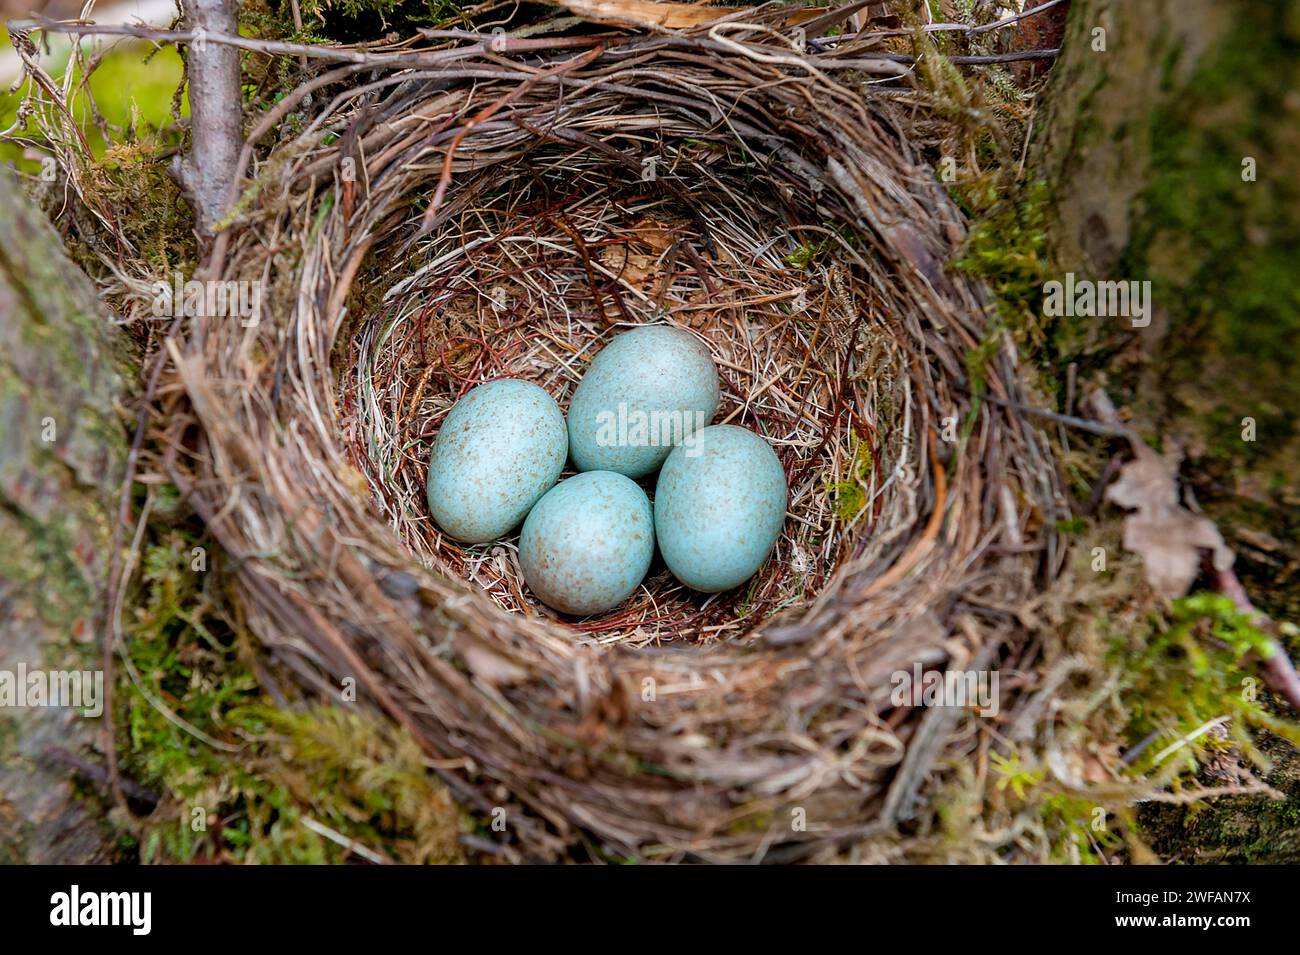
point(217, 116)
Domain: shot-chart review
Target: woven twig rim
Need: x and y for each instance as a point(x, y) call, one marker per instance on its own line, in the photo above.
point(659, 752)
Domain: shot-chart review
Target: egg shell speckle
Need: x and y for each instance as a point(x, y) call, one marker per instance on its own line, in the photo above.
point(500, 448)
point(657, 378)
point(587, 544)
point(719, 508)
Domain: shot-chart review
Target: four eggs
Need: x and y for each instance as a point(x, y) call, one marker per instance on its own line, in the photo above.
point(644, 404)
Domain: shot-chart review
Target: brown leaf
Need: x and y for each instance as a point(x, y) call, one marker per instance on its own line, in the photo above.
point(656, 235)
point(1168, 537)
point(632, 267)
point(1145, 483)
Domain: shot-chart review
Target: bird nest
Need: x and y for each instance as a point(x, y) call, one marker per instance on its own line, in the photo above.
point(504, 208)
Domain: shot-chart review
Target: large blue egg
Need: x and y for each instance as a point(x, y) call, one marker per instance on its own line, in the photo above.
point(587, 544)
point(642, 395)
point(500, 448)
point(719, 507)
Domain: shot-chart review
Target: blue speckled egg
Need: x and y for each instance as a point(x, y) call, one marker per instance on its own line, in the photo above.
point(643, 393)
point(500, 448)
point(587, 544)
point(719, 507)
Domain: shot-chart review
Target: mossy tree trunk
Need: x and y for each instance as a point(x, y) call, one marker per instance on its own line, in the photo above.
point(1170, 138)
point(62, 451)
point(1174, 157)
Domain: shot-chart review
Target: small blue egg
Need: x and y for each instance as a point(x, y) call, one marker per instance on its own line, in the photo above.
point(500, 448)
point(587, 544)
point(642, 395)
point(719, 507)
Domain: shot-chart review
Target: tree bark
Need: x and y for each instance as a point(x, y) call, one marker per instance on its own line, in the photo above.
point(1174, 158)
point(62, 449)
point(216, 111)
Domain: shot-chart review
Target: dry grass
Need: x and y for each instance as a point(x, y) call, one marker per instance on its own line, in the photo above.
point(543, 267)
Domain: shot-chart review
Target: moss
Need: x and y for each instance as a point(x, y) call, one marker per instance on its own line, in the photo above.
point(1221, 251)
point(1077, 831)
point(848, 497)
point(1126, 727)
point(1252, 830)
point(1007, 248)
point(1215, 249)
point(62, 364)
point(152, 215)
point(1014, 776)
point(127, 181)
point(809, 253)
point(297, 771)
point(1197, 669)
point(47, 568)
point(345, 21)
point(1071, 527)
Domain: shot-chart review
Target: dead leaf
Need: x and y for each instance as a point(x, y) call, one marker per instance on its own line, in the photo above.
point(1168, 537)
point(632, 267)
point(656, 235)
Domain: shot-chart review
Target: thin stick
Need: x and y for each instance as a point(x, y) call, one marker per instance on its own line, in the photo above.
point(1083, 424)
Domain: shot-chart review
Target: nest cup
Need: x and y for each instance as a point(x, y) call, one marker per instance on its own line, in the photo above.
point(538, 260)
point(431, 229)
